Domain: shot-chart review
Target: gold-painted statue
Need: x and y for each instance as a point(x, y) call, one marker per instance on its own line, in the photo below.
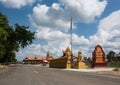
point(67, 52)
point(79, 56)
point(81, 64)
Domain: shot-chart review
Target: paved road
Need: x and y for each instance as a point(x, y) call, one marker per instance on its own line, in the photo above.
point(39, 75)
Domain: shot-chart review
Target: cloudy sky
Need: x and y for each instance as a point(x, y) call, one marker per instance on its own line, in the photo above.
point(94, 22)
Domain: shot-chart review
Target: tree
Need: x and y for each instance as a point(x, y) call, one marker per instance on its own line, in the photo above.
point(118, 56)
point(111, 56)
point(12, 39)
point(3, 34)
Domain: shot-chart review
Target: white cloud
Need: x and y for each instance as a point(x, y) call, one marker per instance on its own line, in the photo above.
point(108, 33)
point(84, 10)
point(80, 41)
point(57, 17)
point(16, 3)
point(48, 17)
point(48, 35)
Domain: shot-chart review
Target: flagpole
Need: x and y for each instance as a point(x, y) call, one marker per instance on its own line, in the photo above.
point(71, 34)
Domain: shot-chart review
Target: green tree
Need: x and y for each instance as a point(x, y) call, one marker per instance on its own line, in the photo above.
point(12, 39)
point(3, 34)
point(111, 56)
point(118, 56)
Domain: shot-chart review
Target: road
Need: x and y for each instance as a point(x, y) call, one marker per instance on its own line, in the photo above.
point(40, 75)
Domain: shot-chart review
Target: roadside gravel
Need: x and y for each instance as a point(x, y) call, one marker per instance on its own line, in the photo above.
point(114, 73)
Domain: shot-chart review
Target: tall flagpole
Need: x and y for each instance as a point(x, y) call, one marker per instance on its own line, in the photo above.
point(71, 34)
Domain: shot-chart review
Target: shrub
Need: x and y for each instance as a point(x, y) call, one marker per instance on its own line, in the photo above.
point(114, 64)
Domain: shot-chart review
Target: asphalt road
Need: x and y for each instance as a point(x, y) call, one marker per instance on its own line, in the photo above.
point(39, 75)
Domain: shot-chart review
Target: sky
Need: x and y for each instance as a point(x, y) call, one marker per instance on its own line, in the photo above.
point(93, 22)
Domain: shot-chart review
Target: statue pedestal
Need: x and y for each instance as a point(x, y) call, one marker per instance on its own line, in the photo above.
point(103, 64)
point(82, 65)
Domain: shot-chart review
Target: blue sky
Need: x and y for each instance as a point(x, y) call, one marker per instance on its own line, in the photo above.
point(94, 22)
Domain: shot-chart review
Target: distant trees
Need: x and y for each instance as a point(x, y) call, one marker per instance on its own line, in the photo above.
point(112, 56)
point(113, 59)
point(12, 38)
point(88, 61)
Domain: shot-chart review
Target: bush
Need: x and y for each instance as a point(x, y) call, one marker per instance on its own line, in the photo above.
point(114, 64)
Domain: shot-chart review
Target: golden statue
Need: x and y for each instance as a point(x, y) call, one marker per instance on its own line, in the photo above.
point(67, 52)
point(81, 64)
point(79, 56)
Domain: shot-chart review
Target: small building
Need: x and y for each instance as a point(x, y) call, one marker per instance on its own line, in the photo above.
point(32, 60)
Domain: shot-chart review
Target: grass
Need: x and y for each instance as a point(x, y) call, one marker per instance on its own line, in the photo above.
point(114, 64)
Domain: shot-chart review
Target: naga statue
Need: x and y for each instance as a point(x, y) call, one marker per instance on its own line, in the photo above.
point(67, 52)
point(79, 56)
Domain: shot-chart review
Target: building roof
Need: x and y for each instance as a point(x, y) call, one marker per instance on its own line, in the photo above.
point(33, 58)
